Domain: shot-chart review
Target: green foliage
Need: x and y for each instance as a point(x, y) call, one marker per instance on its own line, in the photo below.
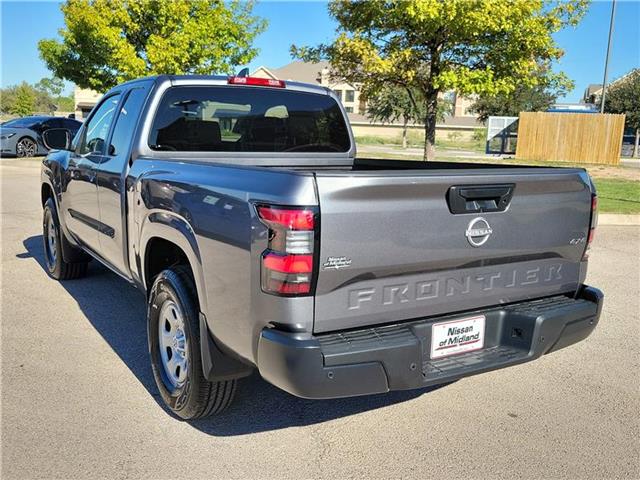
point(375, 140)
point(46, 95)
point(624, 97)
point(106, 42)
point(393, 103)
point(51, 86)
point(471, 46)
point(479, 135)
point(524, 98)
point(396, 104)
point(25, 101)
point(65, 104)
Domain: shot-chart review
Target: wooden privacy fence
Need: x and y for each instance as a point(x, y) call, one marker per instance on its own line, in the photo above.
point(570, 137)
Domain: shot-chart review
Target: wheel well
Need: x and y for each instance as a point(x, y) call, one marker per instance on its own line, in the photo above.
point(29, 137)
point(45, 193)
point(160, 255)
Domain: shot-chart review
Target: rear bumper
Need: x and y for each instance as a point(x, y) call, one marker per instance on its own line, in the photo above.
point(397, 357)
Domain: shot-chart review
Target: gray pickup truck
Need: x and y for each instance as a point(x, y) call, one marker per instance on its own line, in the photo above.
point(237, 206)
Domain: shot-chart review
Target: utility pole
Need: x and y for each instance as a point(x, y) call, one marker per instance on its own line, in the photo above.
point(606, 60)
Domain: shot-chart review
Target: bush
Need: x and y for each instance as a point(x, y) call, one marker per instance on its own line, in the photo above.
point(480, 135)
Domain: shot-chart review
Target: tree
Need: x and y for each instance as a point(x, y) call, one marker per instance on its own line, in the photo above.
point(46, 97)
point(624, 97)
point(470, 46)
point(65, 104)
point(106, 42)
point(394, 103)
point(51, 86)
point(524, 98)
point(25, 101)
point(8, 98)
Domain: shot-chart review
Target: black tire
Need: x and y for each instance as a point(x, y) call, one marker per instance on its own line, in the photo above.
point(195, 396)
point(53, 239)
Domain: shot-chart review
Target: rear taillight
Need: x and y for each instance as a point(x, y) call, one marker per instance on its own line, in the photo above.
point(288, 261)
point(592, 226)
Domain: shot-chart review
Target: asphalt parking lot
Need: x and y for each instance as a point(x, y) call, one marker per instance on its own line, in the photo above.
point(79, 401)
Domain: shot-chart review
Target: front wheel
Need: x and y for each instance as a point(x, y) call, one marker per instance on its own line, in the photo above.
point(174, 345)
point(26, 147)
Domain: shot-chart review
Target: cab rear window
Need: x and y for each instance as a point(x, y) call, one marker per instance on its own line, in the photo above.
point(247, 119)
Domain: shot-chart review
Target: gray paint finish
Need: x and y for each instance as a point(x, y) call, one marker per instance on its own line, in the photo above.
point(399, 236)
point(393, 224)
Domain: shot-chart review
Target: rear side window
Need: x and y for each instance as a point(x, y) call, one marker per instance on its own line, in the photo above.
point(248, 119)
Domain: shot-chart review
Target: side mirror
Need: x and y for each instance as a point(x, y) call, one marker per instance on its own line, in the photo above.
point(57, 139)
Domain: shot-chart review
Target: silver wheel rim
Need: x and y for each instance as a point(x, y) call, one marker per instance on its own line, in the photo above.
point(26, 148)
point(173, 343)
point(52, 250)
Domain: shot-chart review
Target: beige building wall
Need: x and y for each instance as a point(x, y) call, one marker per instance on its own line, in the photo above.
point(349, 94)
point(85, 100)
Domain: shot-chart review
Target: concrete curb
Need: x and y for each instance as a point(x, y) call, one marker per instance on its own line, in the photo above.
point(618, 219)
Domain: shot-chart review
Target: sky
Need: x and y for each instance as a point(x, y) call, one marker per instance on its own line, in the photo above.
point(24, 23)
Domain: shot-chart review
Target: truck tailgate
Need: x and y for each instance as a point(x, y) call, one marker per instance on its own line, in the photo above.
point(391, 249)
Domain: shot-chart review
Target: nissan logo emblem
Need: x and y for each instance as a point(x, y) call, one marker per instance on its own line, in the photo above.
point(478, 232)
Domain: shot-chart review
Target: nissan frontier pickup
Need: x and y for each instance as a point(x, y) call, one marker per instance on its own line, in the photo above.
point(238, 206)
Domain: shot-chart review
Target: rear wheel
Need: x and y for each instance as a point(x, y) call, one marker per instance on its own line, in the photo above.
point(174, 344)
point(52, 238)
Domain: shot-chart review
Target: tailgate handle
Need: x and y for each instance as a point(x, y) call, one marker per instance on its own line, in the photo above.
point(479, 198)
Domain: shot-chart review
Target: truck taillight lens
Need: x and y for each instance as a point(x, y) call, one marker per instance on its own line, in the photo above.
point(592, 226)
point(256, 81)
point(288, 262)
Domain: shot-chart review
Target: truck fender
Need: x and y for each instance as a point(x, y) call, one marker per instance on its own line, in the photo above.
point(168, 226)
point(175, 229)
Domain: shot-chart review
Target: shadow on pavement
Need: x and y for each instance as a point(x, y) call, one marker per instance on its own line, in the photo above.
point(116, 310)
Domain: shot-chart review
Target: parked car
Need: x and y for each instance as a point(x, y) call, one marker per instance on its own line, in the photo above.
point(238, 208)
point(23, 136)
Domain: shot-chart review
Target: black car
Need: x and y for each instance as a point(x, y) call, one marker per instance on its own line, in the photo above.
point(23, 136)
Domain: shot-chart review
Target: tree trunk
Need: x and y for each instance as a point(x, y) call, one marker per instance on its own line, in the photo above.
point(636, 146)
point(405, 126)
point(430, 125)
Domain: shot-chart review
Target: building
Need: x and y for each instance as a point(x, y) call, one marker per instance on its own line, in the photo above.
point(305, 72)
point(461, 119)
point(85, 100)
point(593, 93)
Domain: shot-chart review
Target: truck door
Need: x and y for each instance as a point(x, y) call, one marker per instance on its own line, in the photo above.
point(80, 200)
point(111, 179)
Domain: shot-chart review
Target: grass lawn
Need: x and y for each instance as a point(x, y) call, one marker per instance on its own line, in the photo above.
point(618, 196)
point(417, 141)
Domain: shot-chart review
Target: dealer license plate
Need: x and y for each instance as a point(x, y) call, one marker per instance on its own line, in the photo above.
point(457, 336)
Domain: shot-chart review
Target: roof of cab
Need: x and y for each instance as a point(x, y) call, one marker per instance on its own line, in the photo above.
point(194, 79)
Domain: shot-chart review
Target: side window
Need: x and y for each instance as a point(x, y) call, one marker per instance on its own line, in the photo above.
point(126, 122)
point(97, 129)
